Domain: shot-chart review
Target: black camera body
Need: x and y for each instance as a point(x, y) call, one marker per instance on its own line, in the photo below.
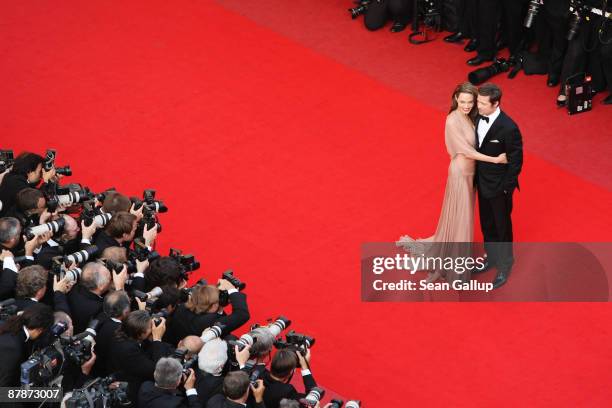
point(8, 308)
point(187, 262)
point(49, 163)
point(7, 159)
point(99, 393)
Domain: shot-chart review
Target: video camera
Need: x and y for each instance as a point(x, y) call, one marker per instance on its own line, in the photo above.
point(49, 163)
point(100, 392)
point(7, 159)
point(45, 367)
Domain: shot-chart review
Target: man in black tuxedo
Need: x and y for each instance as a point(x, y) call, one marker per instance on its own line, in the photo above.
point(496, 133)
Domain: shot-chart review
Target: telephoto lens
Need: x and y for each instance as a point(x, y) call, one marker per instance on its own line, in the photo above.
point(82, 256)
point(314, 396)
point(353, 404)
point(212, 332)
point(102, 219)
point(73, 274)
point(532, 12)
point(481, 75)
point(277, 326)
point(153, 293)
point(52, 226)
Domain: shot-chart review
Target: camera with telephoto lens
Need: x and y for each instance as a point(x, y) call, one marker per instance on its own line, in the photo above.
point(212, 332)
point(49, 163)
point(481, 75)
point(314, 396)
point(92, 214)
point(532, 11)
point(100, 197)
point(100, 392)
point(52, 226)
point(66, 195)
point(82, 256)
point(78, 348)
point(7, 159)
point(362, 6)
point(8, 308)
point(58, 268)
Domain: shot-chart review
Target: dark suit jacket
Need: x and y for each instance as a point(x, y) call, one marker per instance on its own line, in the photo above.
point(150, 396)
point(207, 385)
point(106, 331)
point(135, 363)
point(102, 240)
point(8, 281)
point(184, 322)
point(13, 352)
point(84, 305)
point(276, 390)
point(219, 401)
point(11, 185)
point(493, 179)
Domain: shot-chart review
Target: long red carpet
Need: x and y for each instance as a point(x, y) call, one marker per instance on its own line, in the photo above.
point(282, 135)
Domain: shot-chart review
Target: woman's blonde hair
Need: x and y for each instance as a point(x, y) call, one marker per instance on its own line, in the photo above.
point(202, 298)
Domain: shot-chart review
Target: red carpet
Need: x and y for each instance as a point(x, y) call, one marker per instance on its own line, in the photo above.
point(278, 161)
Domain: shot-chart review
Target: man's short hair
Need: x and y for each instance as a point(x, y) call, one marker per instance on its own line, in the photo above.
point(121, 223)
point(163, 271)
point(213, 356)
point(235, 384)
point(94, 276)
point(27, 199)
point(10, 228)
point(264, 343)
point(202, 298)
point(283, 363)
point(30, 280)
point(116, 303)
point(492, 91)
point(168, 372)
point(135, 324)
point(115, 254)
point(288, 403)
point(115, 202)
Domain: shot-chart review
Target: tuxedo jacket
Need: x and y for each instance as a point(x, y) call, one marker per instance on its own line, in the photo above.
point(150, 396)
point(503, 137)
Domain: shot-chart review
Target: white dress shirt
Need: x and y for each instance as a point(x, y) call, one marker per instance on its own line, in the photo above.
point(483, 126)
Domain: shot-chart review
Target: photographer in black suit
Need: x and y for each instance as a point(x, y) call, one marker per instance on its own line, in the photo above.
point(164, 392)
point(133, 356)
point(202, 310)
point(16, 336)
point(116, 308)
point(86, 298)
point(496, 133)
point(27, 172)
point(236, 387)
point(283, 367)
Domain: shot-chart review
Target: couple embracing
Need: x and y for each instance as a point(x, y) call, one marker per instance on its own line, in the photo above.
point(486, 155)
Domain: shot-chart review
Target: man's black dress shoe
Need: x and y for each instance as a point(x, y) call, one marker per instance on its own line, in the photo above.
point(477, 60)
point(608, 100)
point(397, 27)
point(471, 45)
point(552, 81)
point(500, 279)
point(454, 38)
point(485, 267)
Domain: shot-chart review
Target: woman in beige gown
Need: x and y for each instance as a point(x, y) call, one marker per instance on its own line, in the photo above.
point(455, 230)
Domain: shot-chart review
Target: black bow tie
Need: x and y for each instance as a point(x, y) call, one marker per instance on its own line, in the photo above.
point(485, 118)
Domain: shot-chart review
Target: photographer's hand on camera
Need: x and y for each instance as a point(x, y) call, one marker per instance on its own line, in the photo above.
point(149, 235)
point(62, 285)
point(224, 284)
point(304, 360)
point(242, 356)
point(49, 175)
point(36, 242)
point(88, 365)
point(139, 213)
point(190, 380)
point(157, 331)
point(5, 254)
point(120, 278)
point(87, 232)
point(258, 391)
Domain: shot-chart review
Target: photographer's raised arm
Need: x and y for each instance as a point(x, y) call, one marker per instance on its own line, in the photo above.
point(240, 310)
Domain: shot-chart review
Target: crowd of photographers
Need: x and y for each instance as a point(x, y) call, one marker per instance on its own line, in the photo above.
point(570, 41)
point(87, 304)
